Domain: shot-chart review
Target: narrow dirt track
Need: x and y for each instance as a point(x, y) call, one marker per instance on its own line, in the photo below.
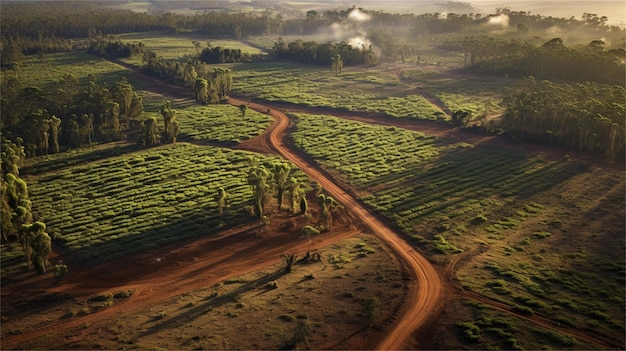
point(426, 293)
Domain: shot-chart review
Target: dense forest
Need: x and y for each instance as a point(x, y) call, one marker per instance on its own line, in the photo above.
point(550, 60)
point(320, 54)
point(585, 117)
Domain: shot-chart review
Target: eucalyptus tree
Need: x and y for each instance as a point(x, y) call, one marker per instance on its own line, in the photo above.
point(281, 175)
point(243, 108)
point(295, 193)
point(326, 203)
point(12, 156)
point(222, 197)
point(171, 125)
point(201, 90)
point(130, 104)
point(6, 224)
point(222, 80)
point(55, 128)
point(336, 64)
point(149, 135)
point(85, 128)
point(110, 127)
point(258, 179)
point(189, 74)
point(36, 244)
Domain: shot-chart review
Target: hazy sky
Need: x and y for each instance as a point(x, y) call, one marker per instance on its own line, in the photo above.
point(615, 10)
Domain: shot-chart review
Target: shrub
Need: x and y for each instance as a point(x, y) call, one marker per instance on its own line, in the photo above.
point(470, 330)
point(527, 311)
point(370, 309)
point(60, 271)
point(123, 294)
point(479, 219)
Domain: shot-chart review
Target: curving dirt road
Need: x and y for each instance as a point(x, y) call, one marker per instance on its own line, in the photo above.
point(426, 292)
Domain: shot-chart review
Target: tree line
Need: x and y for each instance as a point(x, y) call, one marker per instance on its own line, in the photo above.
point(586, 117)
point(210, 85)
point(71, 19)
point(71, 115)
point(16, 210)
point(320, 54)
point(552, 60)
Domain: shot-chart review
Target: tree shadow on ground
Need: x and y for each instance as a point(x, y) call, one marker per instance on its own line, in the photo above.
point(213, 301)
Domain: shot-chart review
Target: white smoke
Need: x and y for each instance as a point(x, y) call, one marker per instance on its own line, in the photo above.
point(499, 20)
point(358, 16)
point(358, 42)
point(351, 31)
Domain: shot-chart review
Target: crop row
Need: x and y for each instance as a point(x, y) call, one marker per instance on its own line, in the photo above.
point(317, 86)
point(125, 204)
point(222, 123)
point(410, 178)
point(52, 68)
point(362, 152)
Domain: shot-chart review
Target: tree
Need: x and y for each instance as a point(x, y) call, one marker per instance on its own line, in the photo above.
point(304, 206)
point(327, 204)
point(201, 90)
point(55, 129)
point(243, 108)
point(222, 79)
point(289, 260)
point(12, 156)
point(149, 135)
point(257, 179)
point(309, 232)
point(171, 124)
point(336, 64)
point(295, 194)
point(36, 244)
point(222, 196)
point(281, 174)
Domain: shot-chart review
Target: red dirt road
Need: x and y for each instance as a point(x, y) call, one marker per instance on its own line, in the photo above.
point(426, 293)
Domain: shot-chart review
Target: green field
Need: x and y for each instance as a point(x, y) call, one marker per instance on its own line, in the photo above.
point(180, 46)
point(221, 123)
point(518, 209)
point(358, 90)
point(44, 73)
point(125, 204)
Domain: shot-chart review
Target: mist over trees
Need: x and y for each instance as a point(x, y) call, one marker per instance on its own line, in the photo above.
point(503, 43)
point(321, 54)
point(551, 60)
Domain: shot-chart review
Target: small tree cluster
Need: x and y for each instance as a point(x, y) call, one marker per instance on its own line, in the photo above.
point(258, 180)
point(219, 54)
point(36, 244)
point(327, 204)
point(275, 179)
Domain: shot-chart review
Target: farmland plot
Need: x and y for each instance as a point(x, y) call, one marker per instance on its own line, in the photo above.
point(221, 123)
point(543, 230)
point(137, 201)
point(44, 73)
point(356, 90)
